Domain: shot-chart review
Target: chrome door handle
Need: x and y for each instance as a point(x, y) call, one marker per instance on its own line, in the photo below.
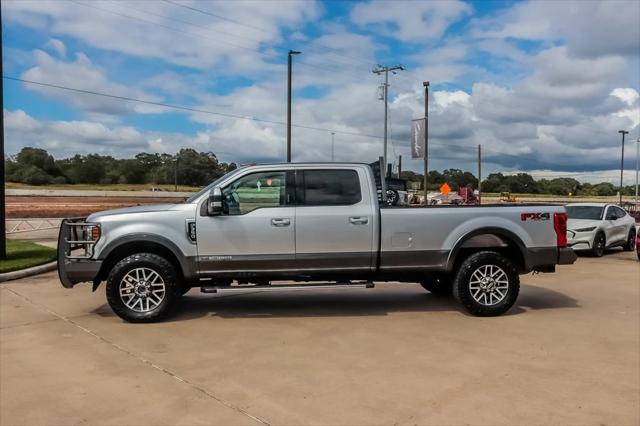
point(358, 220)
point(280, 221)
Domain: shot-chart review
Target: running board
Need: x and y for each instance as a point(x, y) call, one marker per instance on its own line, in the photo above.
point(214, 289)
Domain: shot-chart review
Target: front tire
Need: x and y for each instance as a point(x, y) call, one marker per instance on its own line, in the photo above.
point(486, 284)
point(630, 245)
point(599, 244)
point(143, 287)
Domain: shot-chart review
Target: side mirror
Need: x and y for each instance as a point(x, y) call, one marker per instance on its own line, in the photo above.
point(214, 203)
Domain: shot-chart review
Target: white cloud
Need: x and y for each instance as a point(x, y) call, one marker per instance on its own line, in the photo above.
point(410, 20)
point(58, 47)
point(556, 107)
point(66, 138)
point(128, 27)
point(83, 74)
point(589, 28)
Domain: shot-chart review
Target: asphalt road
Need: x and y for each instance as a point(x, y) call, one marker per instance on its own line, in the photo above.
point(568, 353)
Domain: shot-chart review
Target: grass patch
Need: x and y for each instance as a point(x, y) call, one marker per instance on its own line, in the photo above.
point(25, 254)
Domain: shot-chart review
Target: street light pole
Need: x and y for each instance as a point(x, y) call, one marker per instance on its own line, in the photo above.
point(290, 66)
point(426, 137)
point(622, 132)
point(333, 145)
point(637, 165)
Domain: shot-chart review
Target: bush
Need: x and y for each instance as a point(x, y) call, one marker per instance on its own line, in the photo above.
point(32, 175)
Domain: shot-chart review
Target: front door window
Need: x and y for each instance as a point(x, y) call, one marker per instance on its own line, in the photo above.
point(254, 191)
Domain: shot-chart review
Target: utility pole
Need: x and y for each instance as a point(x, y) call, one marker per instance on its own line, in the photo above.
point(399, 166)
point(289, 57)
point(622, 132)
point(426, 137)
point(175, 174)
point(3, 240)
point(333, 146)
point(479, 174)
point(380, 70)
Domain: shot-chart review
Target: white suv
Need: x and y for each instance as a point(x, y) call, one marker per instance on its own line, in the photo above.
point(595, 227)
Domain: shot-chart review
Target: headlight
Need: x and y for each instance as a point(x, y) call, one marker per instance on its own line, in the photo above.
point(94, 232)
point(585, 229)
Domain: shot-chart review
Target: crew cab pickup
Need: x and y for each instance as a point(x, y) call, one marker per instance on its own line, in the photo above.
point(313, 225)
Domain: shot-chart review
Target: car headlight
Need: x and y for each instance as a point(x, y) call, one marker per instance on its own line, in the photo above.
point(591, 228)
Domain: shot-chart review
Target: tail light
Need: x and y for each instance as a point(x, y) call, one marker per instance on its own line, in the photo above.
point(560, 226)
point(95, 232)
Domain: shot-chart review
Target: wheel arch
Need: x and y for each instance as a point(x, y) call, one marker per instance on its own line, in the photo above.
point(119, 249)
point(498, 239)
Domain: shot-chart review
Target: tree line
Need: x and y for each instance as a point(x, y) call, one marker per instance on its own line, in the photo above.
point(521, 183)
point(35, 166)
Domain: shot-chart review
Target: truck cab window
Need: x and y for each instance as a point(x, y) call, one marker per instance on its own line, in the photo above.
point(330, 188)
point(254, 191)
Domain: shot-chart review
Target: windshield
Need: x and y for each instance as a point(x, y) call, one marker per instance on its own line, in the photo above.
point(585, 212)
point(211, 185)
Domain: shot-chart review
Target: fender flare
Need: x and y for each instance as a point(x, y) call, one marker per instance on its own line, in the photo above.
point(501, 232)
point(187, 264)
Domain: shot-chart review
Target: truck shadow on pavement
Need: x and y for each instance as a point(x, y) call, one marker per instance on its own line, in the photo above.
point(381, 302)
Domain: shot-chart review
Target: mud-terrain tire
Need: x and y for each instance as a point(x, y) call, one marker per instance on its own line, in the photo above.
point(630, 245)
point(486, 284)
point(599, 245)
point(143, 287)
point(438, 285)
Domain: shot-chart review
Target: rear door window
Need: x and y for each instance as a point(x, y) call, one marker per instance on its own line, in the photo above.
point(611, 213)
point(329, 188)
point(619, 212)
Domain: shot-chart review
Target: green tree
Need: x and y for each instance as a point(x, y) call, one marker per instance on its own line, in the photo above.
point(39, 158)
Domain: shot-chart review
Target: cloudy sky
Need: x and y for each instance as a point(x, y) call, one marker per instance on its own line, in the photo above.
point(544, 86)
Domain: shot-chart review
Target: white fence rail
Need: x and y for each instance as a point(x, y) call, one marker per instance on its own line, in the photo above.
point(14, 226)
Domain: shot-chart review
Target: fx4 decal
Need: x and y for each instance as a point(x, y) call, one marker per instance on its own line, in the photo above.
point(535, 216)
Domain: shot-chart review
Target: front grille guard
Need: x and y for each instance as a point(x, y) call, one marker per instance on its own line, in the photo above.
point(74, 240)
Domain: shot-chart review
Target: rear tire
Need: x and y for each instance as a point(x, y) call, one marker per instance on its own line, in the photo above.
point(439, 285)
point(630, 245)
point(599, 244)
point(486, 284)
point(143, 287)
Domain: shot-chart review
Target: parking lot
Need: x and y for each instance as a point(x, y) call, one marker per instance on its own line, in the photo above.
point(567, 353)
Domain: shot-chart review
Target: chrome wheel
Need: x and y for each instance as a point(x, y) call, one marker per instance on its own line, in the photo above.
point(142, 289)
point(489, 285)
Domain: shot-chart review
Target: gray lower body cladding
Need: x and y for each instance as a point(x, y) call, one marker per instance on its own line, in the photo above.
point(362, 264)
point(352, 263)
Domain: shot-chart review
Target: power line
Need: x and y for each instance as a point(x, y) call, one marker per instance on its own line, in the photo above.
point(368, 62)
point(244, 24)
point(248, 48)
point(148, 12)
point(203, 111)
point(135, 18)
point(185, 108)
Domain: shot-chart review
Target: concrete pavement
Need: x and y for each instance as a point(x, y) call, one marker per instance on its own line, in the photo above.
point(567, 353)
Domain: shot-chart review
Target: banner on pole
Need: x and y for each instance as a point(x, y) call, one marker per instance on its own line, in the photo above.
point(417, 138)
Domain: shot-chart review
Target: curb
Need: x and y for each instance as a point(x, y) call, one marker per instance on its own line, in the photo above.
point(23, 273)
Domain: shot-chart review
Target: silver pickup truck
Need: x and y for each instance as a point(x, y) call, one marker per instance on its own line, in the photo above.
point(314, 225)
